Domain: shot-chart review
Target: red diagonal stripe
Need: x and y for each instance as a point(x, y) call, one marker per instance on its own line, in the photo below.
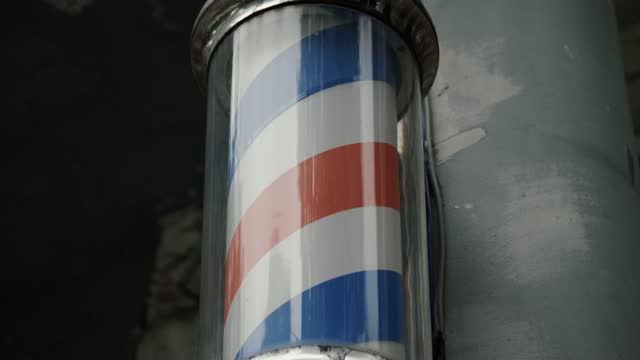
point(347, 177)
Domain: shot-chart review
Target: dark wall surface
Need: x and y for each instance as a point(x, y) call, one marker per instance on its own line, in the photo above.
point(102, 124)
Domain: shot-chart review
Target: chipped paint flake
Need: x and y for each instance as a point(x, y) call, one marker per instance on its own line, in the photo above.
point(446, 149)
point(567, 50)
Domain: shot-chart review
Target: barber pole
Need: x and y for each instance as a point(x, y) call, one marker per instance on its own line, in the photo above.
point(324, 232)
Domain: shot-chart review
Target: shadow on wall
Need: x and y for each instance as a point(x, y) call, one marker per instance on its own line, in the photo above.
point(630, 38)
point(628, 12)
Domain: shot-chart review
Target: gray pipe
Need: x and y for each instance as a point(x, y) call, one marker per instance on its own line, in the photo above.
point(533, 145)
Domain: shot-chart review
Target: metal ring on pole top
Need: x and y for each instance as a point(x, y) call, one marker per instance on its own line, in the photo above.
point(407, 17)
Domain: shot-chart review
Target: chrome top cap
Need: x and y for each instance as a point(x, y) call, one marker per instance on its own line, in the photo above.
point(407, 17)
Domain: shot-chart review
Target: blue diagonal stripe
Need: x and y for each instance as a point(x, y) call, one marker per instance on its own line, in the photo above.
point(319, 61)
point(352, 309)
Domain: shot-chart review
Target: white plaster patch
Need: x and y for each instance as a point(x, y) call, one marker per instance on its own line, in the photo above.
point(544, 222)
point(468, 86)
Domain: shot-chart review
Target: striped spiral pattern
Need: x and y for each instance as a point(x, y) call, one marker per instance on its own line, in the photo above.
point(313, 235)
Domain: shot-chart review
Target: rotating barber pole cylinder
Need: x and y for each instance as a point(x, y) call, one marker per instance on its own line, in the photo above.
point(315, 223)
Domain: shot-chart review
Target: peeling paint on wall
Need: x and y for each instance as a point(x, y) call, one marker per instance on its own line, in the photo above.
point(447, 148)
point(470, 79)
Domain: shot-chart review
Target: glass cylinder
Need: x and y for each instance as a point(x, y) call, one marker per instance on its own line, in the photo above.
point(315, 234)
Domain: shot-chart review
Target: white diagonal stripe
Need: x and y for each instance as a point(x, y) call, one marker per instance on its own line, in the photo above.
point(351, 241)
point(363, 111)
